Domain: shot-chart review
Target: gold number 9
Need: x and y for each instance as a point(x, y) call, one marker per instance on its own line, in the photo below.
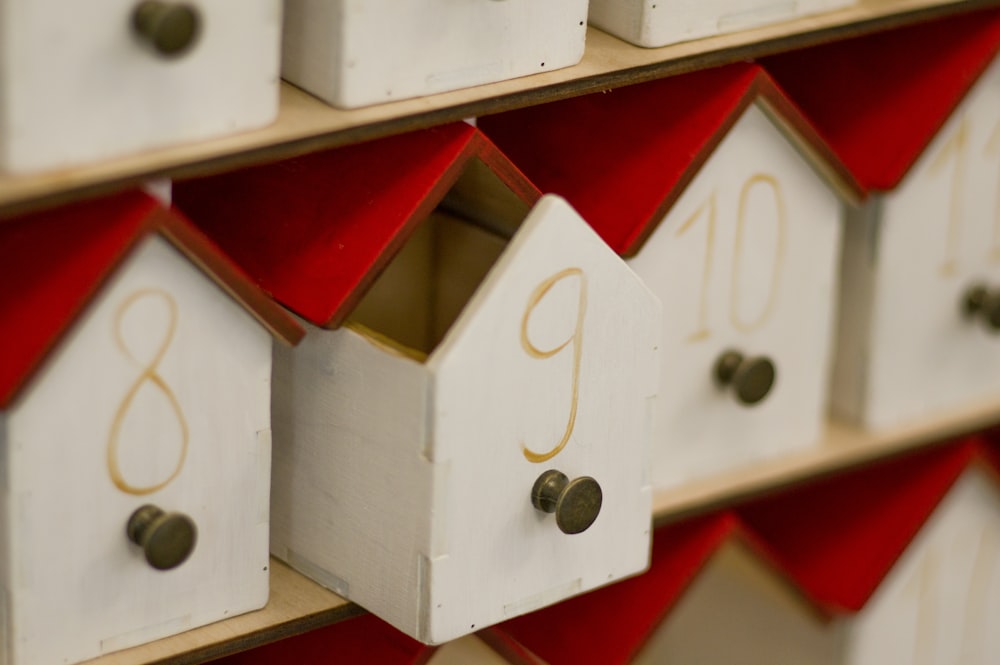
point(576, 340)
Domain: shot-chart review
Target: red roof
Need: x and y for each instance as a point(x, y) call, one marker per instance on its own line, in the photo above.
point(54, 262)
point(834, 540)
point(316, 231)
point(839, 537)
point(880, 99)
point(623, 157)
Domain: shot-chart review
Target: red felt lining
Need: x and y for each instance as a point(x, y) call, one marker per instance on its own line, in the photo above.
point(880, 99)
point(316, 231)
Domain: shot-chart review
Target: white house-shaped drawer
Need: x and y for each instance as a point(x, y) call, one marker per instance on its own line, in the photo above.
point(655, 23)
point(920, 290)
point(895, 564)
point(355, 53)
point(501, 343)
point(704, 183)
point(83, 81)
point(136, 373)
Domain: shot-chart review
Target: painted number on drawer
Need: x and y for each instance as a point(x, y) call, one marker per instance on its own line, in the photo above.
point(954, 156)
point(148, 379)
point(765, 185)
point(575, 344)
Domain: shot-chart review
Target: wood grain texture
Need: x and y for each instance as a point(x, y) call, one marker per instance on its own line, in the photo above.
point(305, 124)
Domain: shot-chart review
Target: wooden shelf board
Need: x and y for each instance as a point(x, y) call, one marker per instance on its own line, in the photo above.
point(306, 124)
point(296, 605)
point(841, 448)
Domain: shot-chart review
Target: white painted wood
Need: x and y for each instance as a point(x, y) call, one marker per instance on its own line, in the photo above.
point(722, 288)
point(739, 611)
point(939, 605)
point(76, 84)
point(469, 650)
point(654, 23)
point(924, 244)
point(75, 586)
point(403, 486)
point(355, 53)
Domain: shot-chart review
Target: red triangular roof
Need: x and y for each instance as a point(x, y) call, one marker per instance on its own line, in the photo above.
point(622, 158)
point(55, 261)
point(880, 99)
point(839, 537)
point(316, 231)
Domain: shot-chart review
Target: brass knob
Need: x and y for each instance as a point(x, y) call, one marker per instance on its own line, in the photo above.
point(169, 28)
point(576, 503)
point(167, 539)
point(751, 378)
point(981, 303)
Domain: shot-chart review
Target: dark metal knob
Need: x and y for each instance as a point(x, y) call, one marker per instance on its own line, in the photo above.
point(169, 28)
point(981, 303)
point(167, 539)
point(576, 503)
point(751, 378)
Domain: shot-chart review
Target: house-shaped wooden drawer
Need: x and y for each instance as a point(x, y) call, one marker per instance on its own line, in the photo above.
point(708, 183)
point(499, 368)
point(355, 53)
point(83, 81)
point(815, 575)
point(914, 113)
point(134, 430)
point(655, 23)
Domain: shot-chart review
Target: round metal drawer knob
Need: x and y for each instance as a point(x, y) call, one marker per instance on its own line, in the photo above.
point(169, 28)
point(576, 503)
point(167, 539)
point(750, 378)
point(982, 304)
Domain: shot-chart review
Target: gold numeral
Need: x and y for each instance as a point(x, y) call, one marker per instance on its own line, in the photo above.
point(576, 340)
point(148, 376)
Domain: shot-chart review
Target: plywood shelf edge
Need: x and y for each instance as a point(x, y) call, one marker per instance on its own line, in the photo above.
point(305, 124)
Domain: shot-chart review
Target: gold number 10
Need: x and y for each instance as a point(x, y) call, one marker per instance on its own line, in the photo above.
point(576, 340)
point(708, 211)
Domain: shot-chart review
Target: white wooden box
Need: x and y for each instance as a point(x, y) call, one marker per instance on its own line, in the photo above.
point(654, 23)
point(491, 336)
point(79, 82)
point(133, 379)
point(355, 53)
point(909, 347)
point(709, 184)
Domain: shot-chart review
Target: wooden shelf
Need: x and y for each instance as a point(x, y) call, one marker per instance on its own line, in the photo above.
point(296, 605)
point(842, 447)
point(306, 124)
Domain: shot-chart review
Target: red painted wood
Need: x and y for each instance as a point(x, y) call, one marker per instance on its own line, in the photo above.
point(365, 639)
point(623, 157)
point(53, 262)
point(880, 99)
point(316, 231)
point(839, 537)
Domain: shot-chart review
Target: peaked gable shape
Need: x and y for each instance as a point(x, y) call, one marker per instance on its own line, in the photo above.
point(55, 262)
point(839, 537)
point(316, 231)
point(624, 157)
point(880, 99)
